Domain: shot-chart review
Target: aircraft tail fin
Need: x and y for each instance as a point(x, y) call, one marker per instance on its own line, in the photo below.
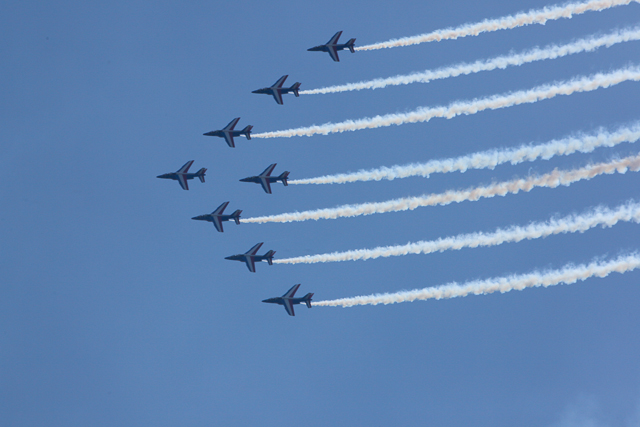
point(295, 88)
point(350, 45)
point(307, 299)
point(200, 174)
point(284, 176)
point(269, 257)
point(247, 131)
point(236, 216)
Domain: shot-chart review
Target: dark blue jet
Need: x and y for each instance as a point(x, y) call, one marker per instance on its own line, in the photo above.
point(288, 301)
point(216, 217)
point(332, 46)
point(250, 257)
point(228, 133)
point(265, 179)
point(277, 90)
point(182, 175)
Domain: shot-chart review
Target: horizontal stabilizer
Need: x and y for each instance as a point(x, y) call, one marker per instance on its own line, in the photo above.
point(201, 174)
point(269, 257)
point(236, 216)
point(284, 176)
point(350, 45)
point(247, 131)
point(307, 299)
point(295, 88)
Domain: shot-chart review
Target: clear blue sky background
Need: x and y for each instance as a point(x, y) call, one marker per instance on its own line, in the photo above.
point(117, 309)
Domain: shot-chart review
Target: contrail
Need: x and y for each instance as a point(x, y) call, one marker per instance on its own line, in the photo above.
point(540, 16)
point(549, 180)
point(537, 54)
point(488, 159)
point(568, 274)
point(424, 114)
point(600, 216)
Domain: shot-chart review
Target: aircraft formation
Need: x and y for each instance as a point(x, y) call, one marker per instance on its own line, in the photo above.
point(585, 143)
point(217, 217)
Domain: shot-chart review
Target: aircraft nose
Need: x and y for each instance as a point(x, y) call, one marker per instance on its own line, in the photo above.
point(255, 91)
point(227, 257)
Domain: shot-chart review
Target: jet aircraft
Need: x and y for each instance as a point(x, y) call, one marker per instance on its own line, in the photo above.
point(288, 301)
point(182, 175)
point(250, 257)
point(265, 178)
point(332, 46)
point(277, 90)
point(228, 133)
point(216, 217)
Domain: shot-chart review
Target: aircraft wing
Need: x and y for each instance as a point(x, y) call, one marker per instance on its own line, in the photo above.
point(254, 250)
point(333, 52)
point(251, 265)
point(232, 124)
point(280, 82)
point(185, 168)
point(217, 223)
point(289, 307)
point(220, 209)
point(228, 137)
point(266, 186)
point(267, 171)
point(334, 39)
point(277, 95)
point(291, 292)
point(182, 180)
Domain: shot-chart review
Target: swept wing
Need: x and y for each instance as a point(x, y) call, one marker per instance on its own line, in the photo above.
point(185, 168)
point(183, 180)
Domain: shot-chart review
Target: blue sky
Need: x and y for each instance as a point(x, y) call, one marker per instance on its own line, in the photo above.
point(117, 308)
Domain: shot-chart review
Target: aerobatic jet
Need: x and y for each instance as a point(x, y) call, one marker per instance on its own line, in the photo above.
point(228, 133)
point(288, 301)
point(332, 46)
point(265, 179)
point(217, 217)
point(277, 90)
point(182, 175)
point(250, 257)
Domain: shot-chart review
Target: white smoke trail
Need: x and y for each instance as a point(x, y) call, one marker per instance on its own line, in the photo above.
point(549, 180)
point(537, 54)
point(424, 114)
point(540, 16)
point(488, 159)
point(568, 274)
point(600, 216)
